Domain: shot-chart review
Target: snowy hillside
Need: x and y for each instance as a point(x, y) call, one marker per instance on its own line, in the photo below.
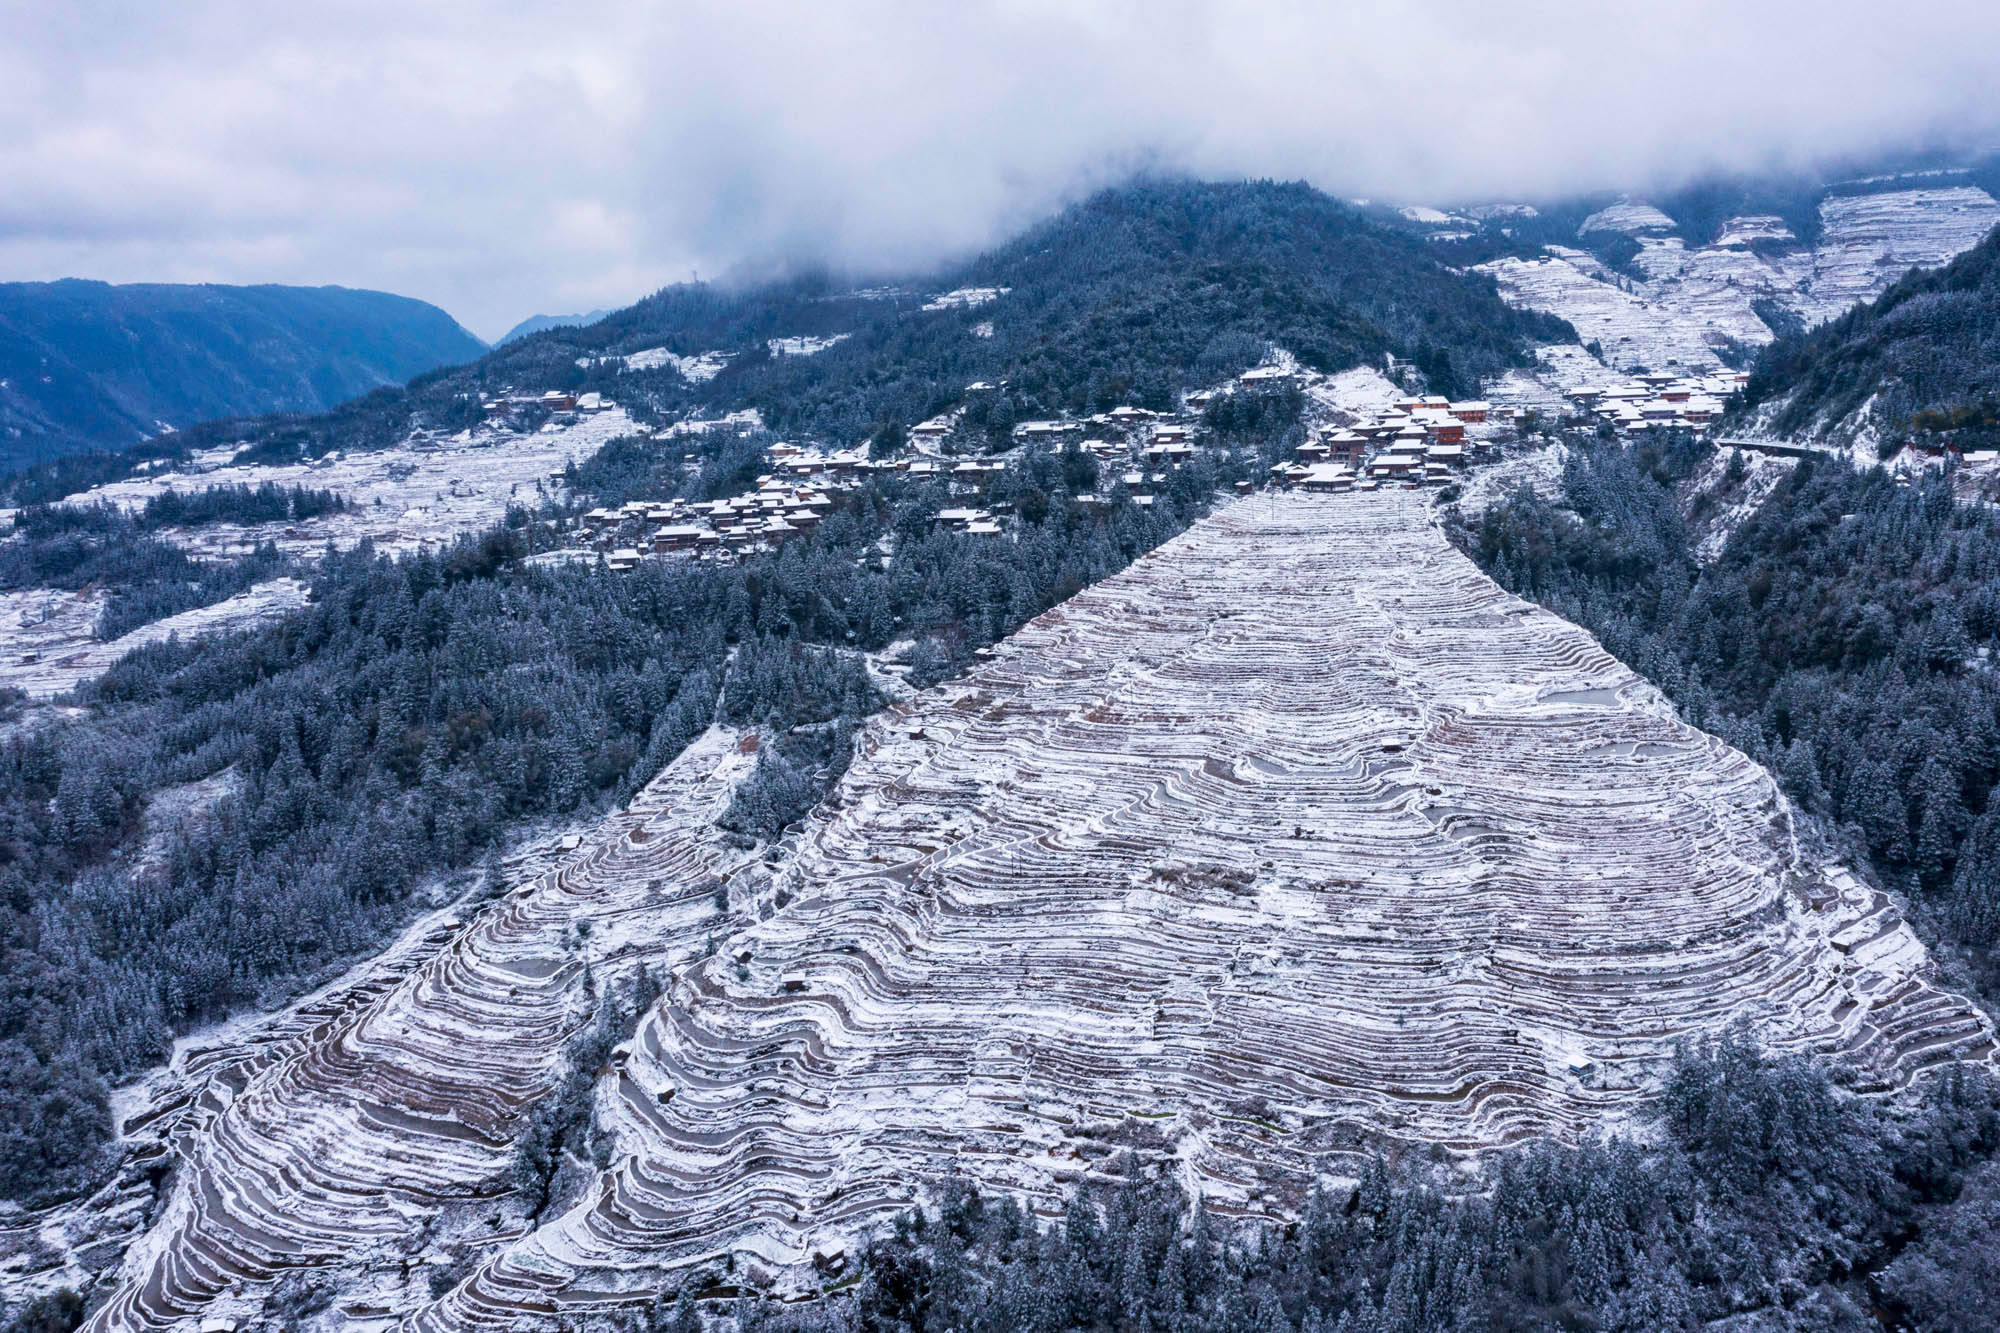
point(1299, 830)
point(1687, 306)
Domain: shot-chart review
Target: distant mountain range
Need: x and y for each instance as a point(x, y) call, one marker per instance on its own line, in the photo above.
point(90, 365)
point(539, 323)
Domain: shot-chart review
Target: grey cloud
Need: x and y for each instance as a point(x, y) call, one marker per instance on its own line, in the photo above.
point(501, 159)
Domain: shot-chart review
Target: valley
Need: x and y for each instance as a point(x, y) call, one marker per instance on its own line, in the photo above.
point(1298, 836)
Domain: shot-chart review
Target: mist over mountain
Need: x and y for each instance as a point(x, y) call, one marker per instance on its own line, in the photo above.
point(89, 365)
point(1119, 299)
point(1241, 668)
point(496, 161)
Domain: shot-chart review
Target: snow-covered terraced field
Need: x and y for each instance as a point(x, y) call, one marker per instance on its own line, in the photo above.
point(47, 642)
point(1871, 240)
point(1634, 325)
point(1700, 299)
point(417, 494)
point(336, 1139)
point(1297, 833)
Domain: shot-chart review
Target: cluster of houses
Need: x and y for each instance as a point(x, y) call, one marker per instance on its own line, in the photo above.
point(1419, 441)
point(787, 501)
point(767, 516)
point(552, 400)
point(1663, 401)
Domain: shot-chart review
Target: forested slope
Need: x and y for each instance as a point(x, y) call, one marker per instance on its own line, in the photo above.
point(89, 365)
point(423, 708)
point(1928, 351)
point(1122, 298)
point(413, 714)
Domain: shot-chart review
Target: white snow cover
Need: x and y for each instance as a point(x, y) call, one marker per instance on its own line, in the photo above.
point(46, 645)
point(1871, 240)
point(804, 345)
point(1558, 367)
point(424, 492)
point(748, 418)
point(1696, 301)
point(695, 369)
point(1540, 470)
point(1298, 829)
point(1633, 327)
point(1753, 227)
point(371, 1105)
point(1361, 391)
point(1627, 216)
point(1731, 503)
point(966, 298)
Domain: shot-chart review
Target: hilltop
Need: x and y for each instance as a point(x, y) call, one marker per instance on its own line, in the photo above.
point(88, 365)
point(1121, 298)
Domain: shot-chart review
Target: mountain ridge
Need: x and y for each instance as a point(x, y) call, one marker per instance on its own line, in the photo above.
point(87, 364)
point(541, 323)
point(1117, 299)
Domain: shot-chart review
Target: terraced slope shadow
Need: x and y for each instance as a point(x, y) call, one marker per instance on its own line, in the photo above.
point(342, 1143)
point(1297, 831)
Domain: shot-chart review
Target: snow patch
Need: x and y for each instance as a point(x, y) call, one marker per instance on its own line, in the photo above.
point(426, 491)
point(1754, 227)
point(804, 345)
point(46, 648)
point(1628, 216)
point(694, 369)
point(966, 298)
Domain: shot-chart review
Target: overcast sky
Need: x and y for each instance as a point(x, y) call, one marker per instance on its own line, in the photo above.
point(503, 160)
